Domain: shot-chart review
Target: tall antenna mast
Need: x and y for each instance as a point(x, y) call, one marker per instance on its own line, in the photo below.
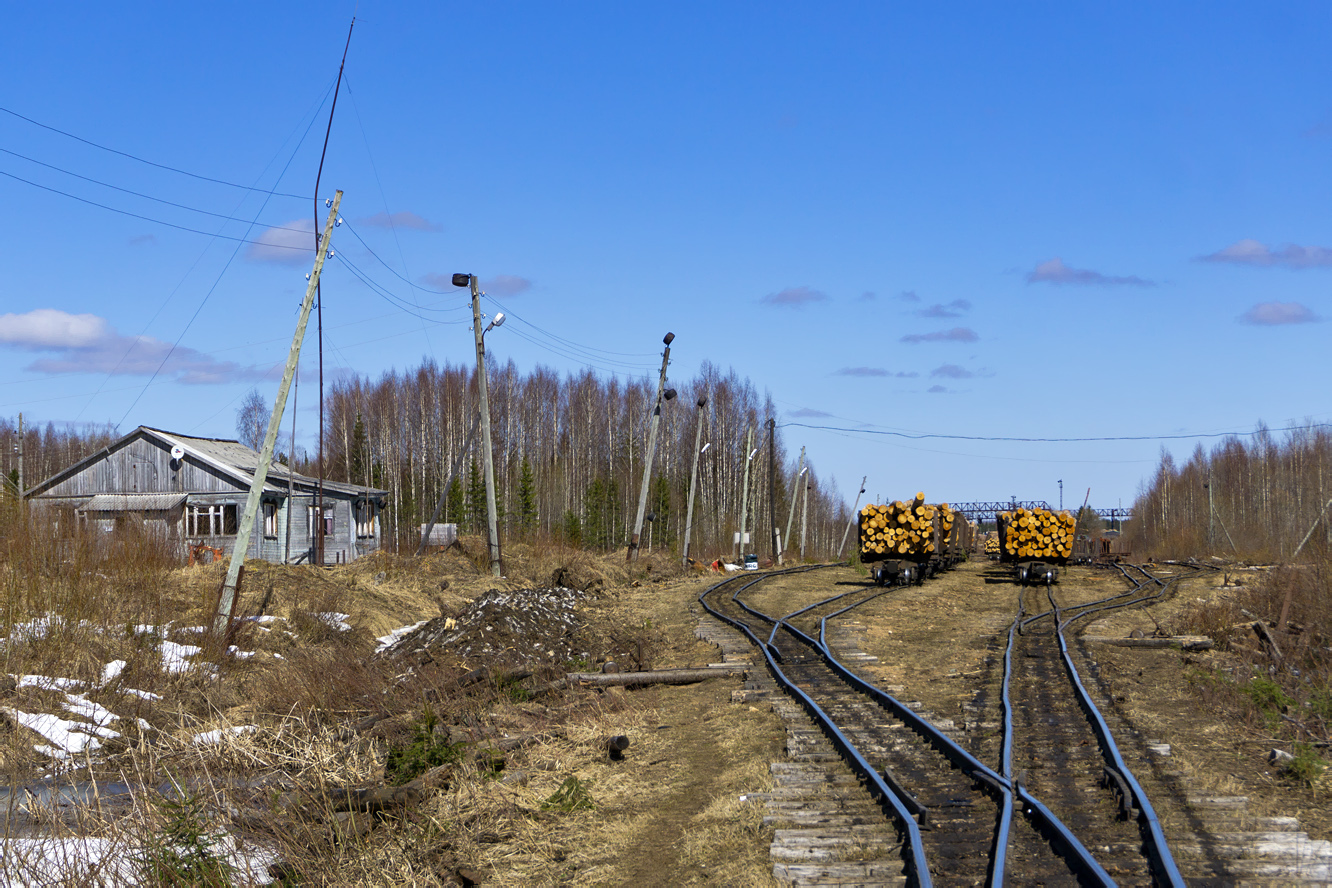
point(319, 295)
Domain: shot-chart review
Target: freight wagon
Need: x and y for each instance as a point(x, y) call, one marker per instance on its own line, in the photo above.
point(1037, 542)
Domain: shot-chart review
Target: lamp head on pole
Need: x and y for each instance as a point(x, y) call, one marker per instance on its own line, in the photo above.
point(668, 339)
point(669, 394)
point(702, 400)
point(462, 280)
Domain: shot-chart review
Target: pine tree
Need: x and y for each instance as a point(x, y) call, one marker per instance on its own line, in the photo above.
point(456, 505)
point(659, 503)
point(476, 501)
point(357, 457)
point(594, 515)
point(572, 529)
point(527, 511)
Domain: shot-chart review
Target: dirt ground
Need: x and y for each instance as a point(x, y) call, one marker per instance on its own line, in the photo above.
point(671, 811)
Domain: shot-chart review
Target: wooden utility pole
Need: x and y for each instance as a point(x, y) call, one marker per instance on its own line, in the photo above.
point(492, 524)
point(228, 596)
point(632, 553)
point(849, 524)
point(20, 460)
point(1212, 511)
point(744, 493)
point(772, 490)
point(693, 478)
point(795, 488)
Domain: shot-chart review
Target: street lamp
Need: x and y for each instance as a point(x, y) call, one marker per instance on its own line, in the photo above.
point(482, 385)
point(1061, 494)
point(666, 394)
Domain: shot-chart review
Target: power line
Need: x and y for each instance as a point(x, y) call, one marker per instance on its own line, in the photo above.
point(160, 200)
point(144, 160)
point(239, 240)
point(1053, 440)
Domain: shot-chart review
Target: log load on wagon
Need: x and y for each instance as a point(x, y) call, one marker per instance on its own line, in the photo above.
point(1037, 542)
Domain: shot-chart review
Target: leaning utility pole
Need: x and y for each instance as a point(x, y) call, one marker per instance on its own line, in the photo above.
point(693, 479)
point(744, 493)
point(772, 490)
point(632, 553)
point(228, 596)
point(849, 524)
point(492, 524)
point(800, 470)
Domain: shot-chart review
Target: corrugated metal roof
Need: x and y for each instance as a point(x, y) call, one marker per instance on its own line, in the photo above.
point(242, 460)
point(134, 502)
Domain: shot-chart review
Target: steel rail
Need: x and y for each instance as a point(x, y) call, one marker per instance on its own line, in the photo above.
point(1158, 850)
point(917, 864)
point(1046, 822)
point(1043, 819)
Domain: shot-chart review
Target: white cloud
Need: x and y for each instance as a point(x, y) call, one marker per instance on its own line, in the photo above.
point(794, 297)
point(401, 219)
point(47, 328)
point(954, 309)
point(1272, 314)
point(957, 334)
point(1056, 272)
point(506, 285)
point(875, 371)
point(1251, 252)
point(951, 371)
point(292, 243)
point(808, 413)
point(86, 343)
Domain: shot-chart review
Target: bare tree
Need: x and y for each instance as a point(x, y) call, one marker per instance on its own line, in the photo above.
point(252, 419)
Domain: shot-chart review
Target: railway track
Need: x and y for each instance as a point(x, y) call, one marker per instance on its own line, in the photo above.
point(951, 813)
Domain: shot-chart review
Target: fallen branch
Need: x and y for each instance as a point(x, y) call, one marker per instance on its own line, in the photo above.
point(1187, 642)
point(661, 676)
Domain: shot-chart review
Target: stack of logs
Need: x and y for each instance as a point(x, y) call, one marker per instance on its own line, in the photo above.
point(1036, 534)
point(900, 529)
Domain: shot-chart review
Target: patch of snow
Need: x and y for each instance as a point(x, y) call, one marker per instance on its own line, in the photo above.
point(145, 695)
point(47, 683)
point(337, 621)
point(175, 656)
point(89, 860)
point(239, 654)
point(387, 641)
point(66, 737)
point(215, 736)
point(96, 713)
point(111, 671)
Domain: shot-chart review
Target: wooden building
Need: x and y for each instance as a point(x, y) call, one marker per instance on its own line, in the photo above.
point(191, 492)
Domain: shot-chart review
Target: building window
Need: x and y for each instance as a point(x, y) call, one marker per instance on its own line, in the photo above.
point(270, 520)
point(206, 521)
point(310, 522)
point(365, 519)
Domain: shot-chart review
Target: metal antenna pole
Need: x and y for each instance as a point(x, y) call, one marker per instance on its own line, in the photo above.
point(847, 532)
point(632, 553)
point(492, 525)
point(804, 515)
point(772, 490)
point(228, 597)
point(693, 479)
point(790, 516)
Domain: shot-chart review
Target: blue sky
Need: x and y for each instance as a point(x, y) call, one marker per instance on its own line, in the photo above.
point(1016, 220)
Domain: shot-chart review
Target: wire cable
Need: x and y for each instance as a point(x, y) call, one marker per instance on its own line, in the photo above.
point(924, 435)
point(135, 157)
point(160, 200)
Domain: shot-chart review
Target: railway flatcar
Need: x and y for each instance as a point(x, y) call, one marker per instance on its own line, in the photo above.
point(1037, 542)
point(898, 540)
point(956, 534)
